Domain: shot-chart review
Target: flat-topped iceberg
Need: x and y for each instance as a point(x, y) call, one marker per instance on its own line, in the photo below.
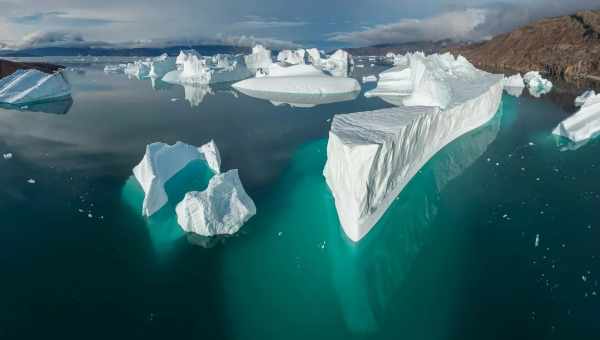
point(221, 209)
point(290, 57)
point(160, 66)
point(162, 161)
point(300, 99)
point(579, 101)
point(195, 69)
point(309, 85)
point(260, 58)
point(584, 124)
point(33, 86)
point(371, 156)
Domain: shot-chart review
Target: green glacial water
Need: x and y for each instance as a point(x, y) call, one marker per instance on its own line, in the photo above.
point(454, 257)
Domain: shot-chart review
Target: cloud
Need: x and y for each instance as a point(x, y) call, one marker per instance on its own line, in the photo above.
point(449, 25)
point(60, 18)
point(40, 39)
point(258, 23)
point(249, 41)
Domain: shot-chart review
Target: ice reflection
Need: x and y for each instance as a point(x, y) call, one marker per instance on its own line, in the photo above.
point(195, 94)
point(299, 99)
point(59, 107)
point(366, 275)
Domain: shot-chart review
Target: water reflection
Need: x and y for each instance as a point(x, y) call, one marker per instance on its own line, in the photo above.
point(159, 85)
point(195, 94)
point(300, 100)
point(366, 275)
point(59, 107)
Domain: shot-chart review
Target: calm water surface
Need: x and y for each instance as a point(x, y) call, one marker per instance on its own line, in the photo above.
point(453, 258)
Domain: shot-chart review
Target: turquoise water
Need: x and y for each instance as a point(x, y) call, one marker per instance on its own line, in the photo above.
point(453, 258)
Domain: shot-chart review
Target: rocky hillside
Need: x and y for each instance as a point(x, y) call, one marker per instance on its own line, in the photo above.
point(8, 67)
point(567, 46)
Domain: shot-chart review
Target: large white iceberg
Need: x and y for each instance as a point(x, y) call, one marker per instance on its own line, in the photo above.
point(309, 85)
point(221, 209)
point(160, 66)
point(195, 69)
point(31, 86)
point(290, 57)
point(162, 161)
point(371, 156)
point(259, 59)
point(579, 101)
point(584, 124)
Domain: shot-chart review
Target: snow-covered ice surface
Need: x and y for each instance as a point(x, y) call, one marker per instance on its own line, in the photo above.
point(309, 85)
point(395, 81)
point(579, 101)
point(514, 81)
point(371, 156)
point(278, 70)
point(33, 86)
point(369, 79)
point(260, 58)
point(221, 209)
point(300, 99)
point(162, 161)
point(584, 124)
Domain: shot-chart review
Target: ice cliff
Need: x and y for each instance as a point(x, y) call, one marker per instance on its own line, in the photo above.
point(371, 156)
point(162, 161)
point(584, 124)
point(31, 86)
point(221, 209)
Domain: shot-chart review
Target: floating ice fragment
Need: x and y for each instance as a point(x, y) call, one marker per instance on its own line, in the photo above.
point(537, 240)
point(584, 124)
point(221, 209)
point(163, 161)
point(31, 181)
point(514, 81)
point(7, 156)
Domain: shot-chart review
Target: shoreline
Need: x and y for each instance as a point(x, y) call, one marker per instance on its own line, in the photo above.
point(8, 67)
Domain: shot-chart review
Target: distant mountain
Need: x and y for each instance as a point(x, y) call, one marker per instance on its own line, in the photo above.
point(567, 46)
point(121, 52)
point(424, 46)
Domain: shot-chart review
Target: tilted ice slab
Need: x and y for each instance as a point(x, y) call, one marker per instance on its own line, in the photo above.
point(163, 161)
point(221, 209)
point(31, 86)
point(579, 101)
point(160, 66)
point(584, 124)
point(514, 81)
point(260, 58)
point(310, 85)
point(371, 156)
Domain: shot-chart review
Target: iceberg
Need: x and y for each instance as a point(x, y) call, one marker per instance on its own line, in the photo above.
point(309, 85)
point(537, 84)
point(579, 101)
point(371, 156)
point(195, 69)
point(514, 81)
point(33, 86)
point(221, 209)
point(278, 70)
point(584, 124)
point(514, 91)
point(183, 57)
point(138, 69)
point(339, 64)
point(160, 66)
point(119, 68)
point(314, 56)
point(162, 161)
point(299, 99)
point(395, 81)
point(369, 79)
point(259, 59)
point(290, 57)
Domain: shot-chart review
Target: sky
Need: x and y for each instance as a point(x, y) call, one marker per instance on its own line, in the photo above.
point(275, 23)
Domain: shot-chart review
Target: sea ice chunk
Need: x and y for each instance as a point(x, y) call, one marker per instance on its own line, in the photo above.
point(371, 156)
point(162, 161)
point(315, 85)
point(537, 84)
point(369, 79)
point(31, 86)
point(139, 69)
point(584, 124)
point(260, 58)
point(579, 101)
point(221, 209)
point(514, 81)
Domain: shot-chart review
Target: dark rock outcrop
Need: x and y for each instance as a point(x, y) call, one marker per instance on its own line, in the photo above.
point(567, 47)
point(8, 67)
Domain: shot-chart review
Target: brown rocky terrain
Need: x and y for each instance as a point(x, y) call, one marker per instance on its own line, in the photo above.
point(8, 67)
point(567, 47)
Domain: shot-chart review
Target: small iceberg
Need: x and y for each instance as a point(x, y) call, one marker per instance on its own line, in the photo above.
point(579, 101)
point(371, 156)
point(514, 81)
point(369, 79)
point(138, 69)
point(221, 209)
point(584, 124)
point(308, 85)
point(537, 85)
point(162, 161)
point(260, 58)
point(33, 86)
point(195, 69)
